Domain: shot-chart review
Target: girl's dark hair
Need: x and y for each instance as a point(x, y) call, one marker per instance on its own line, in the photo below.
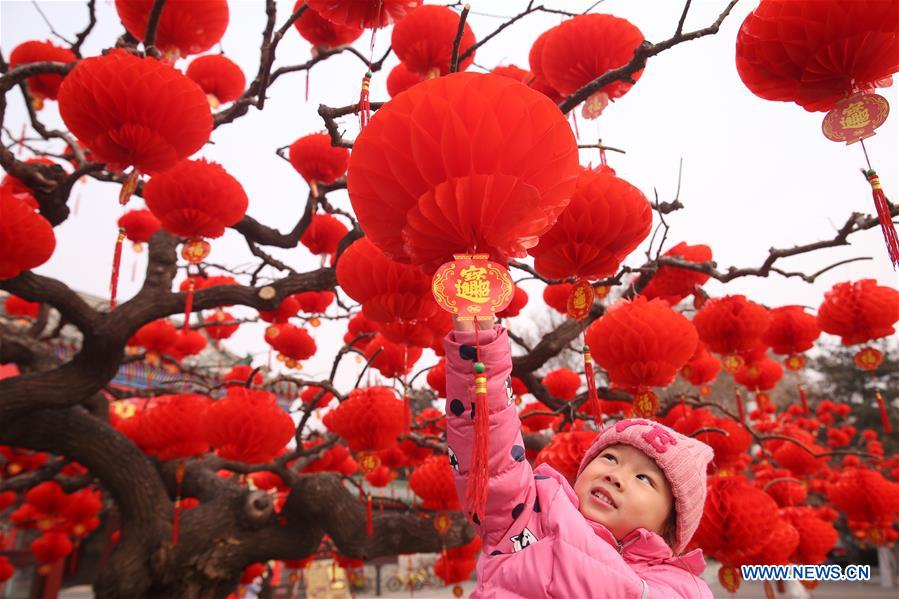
point(669, 533)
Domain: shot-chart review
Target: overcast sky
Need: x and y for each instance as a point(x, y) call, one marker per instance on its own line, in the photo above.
point(757, 174)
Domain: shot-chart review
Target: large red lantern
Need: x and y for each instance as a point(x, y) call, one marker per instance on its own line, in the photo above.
point(730, 325)
point(248, 426)
point(606, 220)
point(219, 77)
point(816, 52)
point(363, 13)
point(321, 32)
point(423, 40)
point(185, 26)
point(582, 48)
point(369, 420)
point(26, 238)
point(433, 481)
point(134, 111)
point(41, 86)
point(503, 170)
point(759, 375)
point(317, 160)
point(156, 336)
point(673, 284)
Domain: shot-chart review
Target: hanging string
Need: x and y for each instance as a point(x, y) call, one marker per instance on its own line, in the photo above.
point(116, 264)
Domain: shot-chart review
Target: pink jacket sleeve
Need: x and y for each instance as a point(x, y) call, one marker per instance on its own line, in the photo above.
point(511, 483)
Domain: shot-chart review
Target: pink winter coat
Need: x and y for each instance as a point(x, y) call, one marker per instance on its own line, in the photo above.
point(535, 541)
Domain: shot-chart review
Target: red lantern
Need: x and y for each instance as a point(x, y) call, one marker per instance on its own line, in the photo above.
point(423, 333)
point(156, 336)
point(791, 332)
point(729, 325)
point(6, 569)
point(391, 359)
point(360, 326)
point(219, 77)
point(321, 32)
point(26, 238)
point(540, 422)
point(673, 284)
point(797, 459)
point(519, 301)
point(535, 60)
point(729, 448)
point(134, 111)
point(240, 375)
point(317, 160)
point(605, 221)
point(437, 378)
point(221, 331)
point(41, 86)
point(399, 292)
point(381, 476)
point(248, 426)
point(759, 375)
point(816, 537)
point(139, 225)
point(287, 309)
point(294, 343)
point(314, 302)
point(493, 186)
point(369, 420)
point(433, 481)
point(321, 397)
point(702, 368)
point(642, 343)
point(323, 234)
point(867, 498)
point(565, 451)
point(173, 428)
point(859, 312)
point(185, 26)
point(585, 47)
point(816, 52)
point(50, 548)
point(562, 383)
point(400, 79)
point(556, 296)
point(21, 190)
point(363, 13)
point(423, 41)
point(16, 306)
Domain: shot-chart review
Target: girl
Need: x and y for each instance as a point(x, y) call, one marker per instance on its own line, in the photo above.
point(618, 534)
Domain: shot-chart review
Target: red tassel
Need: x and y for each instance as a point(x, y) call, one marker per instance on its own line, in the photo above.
point(369, 523)
point(179, 478)
point(591, 387)
point(478, 478)
point(803, 399)
point(188, 304)
point(884, 417)
point(364, 104)
point(883, 214)
point(740, 407)
point(116, 263)
point(407, 413)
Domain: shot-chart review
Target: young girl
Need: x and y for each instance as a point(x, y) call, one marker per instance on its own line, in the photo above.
point(618, 534)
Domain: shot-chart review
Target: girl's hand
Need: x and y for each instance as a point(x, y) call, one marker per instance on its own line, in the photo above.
point(468, 325)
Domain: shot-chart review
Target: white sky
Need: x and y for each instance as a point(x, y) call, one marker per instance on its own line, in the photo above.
point(757, 174)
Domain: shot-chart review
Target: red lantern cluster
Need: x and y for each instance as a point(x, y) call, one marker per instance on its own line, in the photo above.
point(323, 33)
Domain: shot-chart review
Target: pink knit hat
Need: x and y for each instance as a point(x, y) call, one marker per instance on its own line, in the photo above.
point(682, 459)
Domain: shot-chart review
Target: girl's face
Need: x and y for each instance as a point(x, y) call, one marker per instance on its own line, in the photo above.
point(623, 489)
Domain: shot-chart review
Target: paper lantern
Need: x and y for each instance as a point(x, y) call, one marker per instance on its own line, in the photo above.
point(673, 284)
point(321, 397)
point(218, 76)
point(314, 302)
point(540, 422)
point(759, 375)
point(360, 330)
point(391, 359)
point(519, 301)
point(423, 40)
point(605, 221)
point(565, 451)
point(240, 375)
point(293, 343)
point(287, 309)
point(185, 26)
point(321, 32)
point(859, 312)
point(535, 60)
point(156, 336)
point(816, 52)
point(791, 332)
point(816, 537)
point(433, 481)
point(26, 238)
point(221, 331)
point(131, 111)
point(248, 426)
point(16, 306)
point(642, 343)
point(401, 78)
point(562, 383)
point(370, 419)
point(556, 296)
point(6, 569)
point(139, 225)
point(731, 324)
point(363, 13)
point(49, 548)
point(188, 343)
point(582, 48)
point(437, 378)
point(702, 368)
point(41, 86)
point(173, 428)
point(323, 234)
point(317, 160)
point(493, 185)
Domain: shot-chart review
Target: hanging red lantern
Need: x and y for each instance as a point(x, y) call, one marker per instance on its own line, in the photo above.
point(46, 86)
point(369, 420)
point(363, 13)
point(314, 302)
point(816, 536)
point(433, 481)
point(173, 428)
point(556, 296)
point(139, 226)
point(673, 284)
point(424, 39)
point(729, 448)
point(240, 375)
point(26, 238)
point(391, 359)
point(422, 206)
point(323, 235)
point(134, 111)
point(188, 343)
point(565, 451)
point(49, 548)
point(540, 422)
point(293, 343)
point(248, 426)
point(702, 368)
point(323, 33)
point(562, 383)
point(317, 160)
point(791, 332)
point(14, 305)
point(219, 77)
point(156, 336)
point(381, 476)
point(400, 79)
point(426, 332)
point(360, 326)
point(729, 325)
point(320, 396)
point(437, 378)
point(399, 292)
point(287, 309)
point(642, 343)
point(519, 301)
point(759, 375)
point(801, 461)
point(223, 330)
point(185, 26)
point(869, 500)
point(605, 221)
point(859, 312)
point(6, 569)
point(582, 48)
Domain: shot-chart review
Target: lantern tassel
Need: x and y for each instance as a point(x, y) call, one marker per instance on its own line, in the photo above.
point(179, 479)
point(369, 522)
point(478, 478)
point(883, 214)
point(364, 104)
point(593, 398)
point(116, 264)
point(188, 304)
point(740, 406)
point(803, 399)
point(884, 417)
